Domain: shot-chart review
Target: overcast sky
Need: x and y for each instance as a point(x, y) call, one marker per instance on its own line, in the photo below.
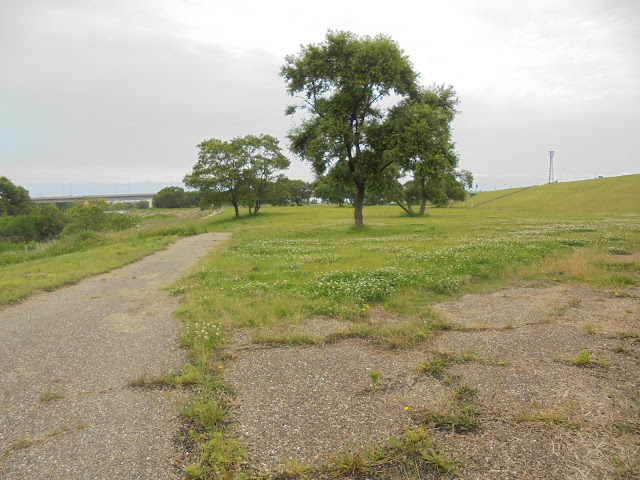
point(122, 91)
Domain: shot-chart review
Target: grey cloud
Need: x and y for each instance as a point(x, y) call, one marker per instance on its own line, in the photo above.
point(104, 99)
point(119, 90)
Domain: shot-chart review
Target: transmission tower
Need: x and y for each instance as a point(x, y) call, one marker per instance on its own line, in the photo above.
point(551, 155)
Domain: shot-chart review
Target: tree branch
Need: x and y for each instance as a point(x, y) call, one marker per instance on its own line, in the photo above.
point(409, 212)
point(388, 164)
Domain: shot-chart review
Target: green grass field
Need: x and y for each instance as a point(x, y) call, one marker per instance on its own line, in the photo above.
point(288, 264)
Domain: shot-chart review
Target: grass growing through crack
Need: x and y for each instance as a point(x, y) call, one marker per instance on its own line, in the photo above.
point(621, 349)
point(458, 414)
point(17, 445)
point(552, 417)
point(294, 467)
point(374, 377)
point(416, 453)
point(50, 395)
point(436, 367)
point(583, 359)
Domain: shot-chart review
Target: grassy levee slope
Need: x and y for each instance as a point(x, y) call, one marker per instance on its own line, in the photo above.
point(598, 196)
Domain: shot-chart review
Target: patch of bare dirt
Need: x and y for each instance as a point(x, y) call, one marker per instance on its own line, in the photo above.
point(311, 401)
point(573, 304)
point(542, 415)
point(631, 258)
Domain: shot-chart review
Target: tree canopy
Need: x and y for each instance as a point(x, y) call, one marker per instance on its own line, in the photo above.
point(175, 197)
point(236, 171)
point(285, 191)
point(14, 200)
point(341, 84)
point(419, 141)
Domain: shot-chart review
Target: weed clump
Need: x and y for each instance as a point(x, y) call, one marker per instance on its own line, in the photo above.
point(583, 359)
point(416, 454)
point(374, 377)
point(459, 415)
point(50, 395)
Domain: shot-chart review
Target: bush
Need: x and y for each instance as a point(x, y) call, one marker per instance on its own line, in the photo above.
point(51, 220)
point(26, 226)
point(94, 216)
point(48, 221)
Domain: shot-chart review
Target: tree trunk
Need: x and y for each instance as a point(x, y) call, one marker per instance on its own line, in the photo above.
point(423, 203)
point(359, 203)
point(235, 205)
point(408, 208)
point(257, 206)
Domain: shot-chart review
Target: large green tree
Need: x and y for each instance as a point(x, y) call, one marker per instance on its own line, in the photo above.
point(14, 200)
point(347, 86)
point(236, 172)
point(417, 136)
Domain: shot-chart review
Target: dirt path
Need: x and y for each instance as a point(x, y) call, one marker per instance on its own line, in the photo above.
point(66, 359)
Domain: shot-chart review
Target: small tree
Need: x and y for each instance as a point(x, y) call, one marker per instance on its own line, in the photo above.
point(418, 139)
point(332, 188)
point(94, 215)
point(236, 172)
point(51, 220)
point(466, 178)
point(265, 159)
point(169, 197)
point(285, 191)
point(300, 192)
point(219, 172)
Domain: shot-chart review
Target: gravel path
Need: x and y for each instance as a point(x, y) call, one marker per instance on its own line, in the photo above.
point(66, 358)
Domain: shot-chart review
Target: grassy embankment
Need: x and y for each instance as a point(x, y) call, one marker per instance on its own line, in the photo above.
point(33, 267)
point(288, 264)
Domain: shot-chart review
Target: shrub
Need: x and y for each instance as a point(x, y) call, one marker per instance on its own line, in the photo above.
point(95, 216)
point(51, 220)
point(26, 226)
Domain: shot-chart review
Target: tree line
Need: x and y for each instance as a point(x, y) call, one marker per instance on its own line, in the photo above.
point(369, 130)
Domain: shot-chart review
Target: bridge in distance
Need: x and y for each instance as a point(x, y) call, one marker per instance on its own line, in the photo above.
point(118, 197)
